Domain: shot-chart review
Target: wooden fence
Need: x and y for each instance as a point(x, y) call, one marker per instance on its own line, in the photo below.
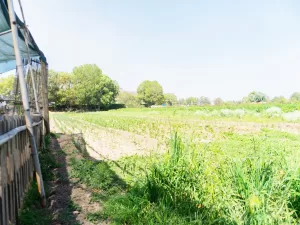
point(16, 164)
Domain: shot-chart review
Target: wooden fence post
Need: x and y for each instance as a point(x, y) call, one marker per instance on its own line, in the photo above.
point(44, 82)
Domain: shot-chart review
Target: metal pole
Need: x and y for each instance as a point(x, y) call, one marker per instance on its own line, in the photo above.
point(29, 60)
point(25, 101)
point(5, 32)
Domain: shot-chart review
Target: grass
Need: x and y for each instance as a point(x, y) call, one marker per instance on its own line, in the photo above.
point(32, 213)
point(186, 187)
point(237, 178)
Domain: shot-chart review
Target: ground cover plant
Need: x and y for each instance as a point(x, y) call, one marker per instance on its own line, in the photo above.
point(218, 170)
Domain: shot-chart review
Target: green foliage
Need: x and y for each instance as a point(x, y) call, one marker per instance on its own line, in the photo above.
point(61, 89)
point(279, 99)
point(6, 85)
point(85, 86)
point(191, 101)
point(218, 101)
point(203, 101)
point(171, 99)
point(259, 195)
point(182, 101)
point(238, 177)
point(295, 97)
point(92, 87)
point(256, 97)
point(150, 93)
point(32, 213)
point(129, 99)
point(95, 174)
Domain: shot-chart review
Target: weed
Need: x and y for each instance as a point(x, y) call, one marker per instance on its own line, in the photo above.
point(238, 178)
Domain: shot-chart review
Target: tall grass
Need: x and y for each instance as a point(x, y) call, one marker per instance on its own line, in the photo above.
point(235, 179)
point(178, 190)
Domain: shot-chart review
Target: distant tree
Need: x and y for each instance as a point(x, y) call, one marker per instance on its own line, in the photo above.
point(295, 97)
point(218, 101)
point(182, 101)
point(53, 86)
point(192, 101)
point(279, 99)
point(6, 85)
point(150, 93)
point(256, 97)
point(234, 102)
point(204, 101)
point(92, 87)
point(129, 99)
point(61, 89)
point(86, 85)
point(170, 99)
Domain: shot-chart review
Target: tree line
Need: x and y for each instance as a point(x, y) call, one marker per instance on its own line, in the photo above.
point(151, 93)
point(86, 87)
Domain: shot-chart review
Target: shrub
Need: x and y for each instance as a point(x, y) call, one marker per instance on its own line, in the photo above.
point(226, 112)
point(292, 116)
point(273, 112)
point(239, 113)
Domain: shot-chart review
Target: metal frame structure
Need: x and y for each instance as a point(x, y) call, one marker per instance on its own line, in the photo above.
point(25, 99)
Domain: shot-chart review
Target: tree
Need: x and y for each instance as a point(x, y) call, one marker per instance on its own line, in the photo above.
point(279, 99)
point(191, 101)
point(218, 101)
point(61, 89)
point(6, 86)
point(150, 93)
point(256, 97)
point(182, 101)
point(170, 99)
point(85, 86)
point(129, 99)
point(203, 101)
point(92, 87)
point(295, 97)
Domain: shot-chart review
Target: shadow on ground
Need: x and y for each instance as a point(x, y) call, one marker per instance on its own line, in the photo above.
point(71, 200)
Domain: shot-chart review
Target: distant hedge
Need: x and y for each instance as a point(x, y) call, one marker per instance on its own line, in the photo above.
point(85, 107)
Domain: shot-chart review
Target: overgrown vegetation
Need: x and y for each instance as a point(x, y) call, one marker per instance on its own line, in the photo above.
point(249, 178)
point(32, 213)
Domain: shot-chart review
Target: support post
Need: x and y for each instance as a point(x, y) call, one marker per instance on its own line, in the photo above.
point(44, 82)
point(26, 32)
point(25, 101)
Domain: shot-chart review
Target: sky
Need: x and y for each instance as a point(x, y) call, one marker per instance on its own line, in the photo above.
point(213, 48)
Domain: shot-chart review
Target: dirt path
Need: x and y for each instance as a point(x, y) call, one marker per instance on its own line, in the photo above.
point(69, 201)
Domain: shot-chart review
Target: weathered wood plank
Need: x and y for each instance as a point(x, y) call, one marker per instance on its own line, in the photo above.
point(4, 178)
point(16, 167)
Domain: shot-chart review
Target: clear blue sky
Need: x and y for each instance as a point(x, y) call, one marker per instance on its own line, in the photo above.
point(196, 48)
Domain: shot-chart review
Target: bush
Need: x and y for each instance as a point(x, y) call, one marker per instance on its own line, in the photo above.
point(292, 116)
point(239, 113)
point(273, 112)
point(226, 112)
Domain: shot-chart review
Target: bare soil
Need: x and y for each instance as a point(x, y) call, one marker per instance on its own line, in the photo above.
point(106, 143)
point(69, 201)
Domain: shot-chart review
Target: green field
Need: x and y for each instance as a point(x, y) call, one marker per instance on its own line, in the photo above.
point(213, 165)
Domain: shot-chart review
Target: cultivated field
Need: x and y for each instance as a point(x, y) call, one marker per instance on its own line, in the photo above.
point(213, 165)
